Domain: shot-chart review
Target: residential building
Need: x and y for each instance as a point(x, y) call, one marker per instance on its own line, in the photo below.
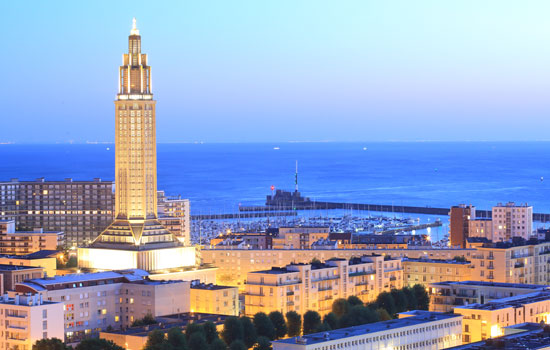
point(13, 274)
point(314, 286)
point(79, 209)
point(135, 338)
point(511, 220)
point(523, 336)
point(243, 241)
point(44, 258)
point(483, 321)
point(22, 242)
point(516, 262)
point(26, 319)
point(426, 271)
point(422, 330)
point(95, 301)
point(299, 237)
point(174, 214)
point(459, 217)
point(136, 239)
point(481, 227)
point(234, 264)
point(211, 298)
point(444, 296)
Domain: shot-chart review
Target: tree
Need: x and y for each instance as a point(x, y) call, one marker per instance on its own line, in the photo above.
point(232, 330)
point(400, 299)
point(353, 300)
point(49, 344)
point(421, 296)
point(217, 344)
point(315, 261)
point(263, 344)
point(154, 339)
point(278, 321)
point(177, 339)
point(331, 320)
point(193, 327)
point(147, 319)
point(237, 345)
point(197, 341)
point(460, 258)
point(340, 307)
point(97, 344)
point(293, 323)
point(250, 336)
point(264, 326)
point(383, 315)
point(210, 331)
point(385, 301)
point(412, 303)
point(358, 315)
point(312, 321)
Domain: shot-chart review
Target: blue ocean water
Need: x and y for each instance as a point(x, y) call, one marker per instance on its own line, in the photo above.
point(217, 177)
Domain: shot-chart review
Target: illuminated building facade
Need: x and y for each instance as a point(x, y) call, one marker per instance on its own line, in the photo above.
point(210, 298)
point(136, 238)
point(22, 243)
point(425, 271)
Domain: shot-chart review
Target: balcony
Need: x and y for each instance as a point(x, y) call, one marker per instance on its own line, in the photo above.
point(519, 265)
point(322, 289)
point(18, 317)
point(362, 273)
point(17, 327)
point(325, 278)
point(289, 293)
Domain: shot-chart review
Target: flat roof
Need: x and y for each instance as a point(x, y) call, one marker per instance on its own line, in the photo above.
point(492, 284)
point(514, 301)
point(530, 336)
point(7, 267)
point(41, 254)
point(436, 261)
point(420, 318)
point(210, 286)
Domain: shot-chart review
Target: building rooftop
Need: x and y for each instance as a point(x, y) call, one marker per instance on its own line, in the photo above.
point(491, 284)
point(420, 318)
point(437, 261)
point(195, 284)
point(6, 267)
point(526, 336)
point(514, 301)
point(41, 254)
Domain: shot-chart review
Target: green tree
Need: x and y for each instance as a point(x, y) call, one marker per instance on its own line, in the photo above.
point(358, 315)
point(146, 320)
point(293, 323)
point(210, 331)
point(237, 345)
point(155, 339)
point(177, 339)
point(331, 320)
point(193, 327)
point(217, 344)
point(97, 344)
point(383, 315)
point(412, 303)
point(340, 307)
point(278, 321)
point(353, 300)
point(72, 262)
point(312, 321)
point(49, 344)
point(315, 261)
point(197, 341)
point(250, 336)
point(460, 258)
point(385, 301)
point(263, 344)
point(400, 298)
point(264, 326)
point(232, 330)
point(421, 296)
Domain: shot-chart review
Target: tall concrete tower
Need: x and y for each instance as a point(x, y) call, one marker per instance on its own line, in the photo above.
point(135, 228)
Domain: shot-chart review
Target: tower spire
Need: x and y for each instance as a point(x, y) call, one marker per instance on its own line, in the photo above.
point(134, 30)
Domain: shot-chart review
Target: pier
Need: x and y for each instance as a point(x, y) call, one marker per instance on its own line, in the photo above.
point(242, 215)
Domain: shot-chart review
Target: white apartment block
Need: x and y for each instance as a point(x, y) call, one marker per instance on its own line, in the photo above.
point(418, 330)
point(25, 319)
point(511, 220)
point(314, 286)
point(94, 301)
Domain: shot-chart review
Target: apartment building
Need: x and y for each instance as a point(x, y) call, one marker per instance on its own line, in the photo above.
point(174, 214)
point(94, 301)
point(511, 220)
point(483, 321)
point(13, 274)
point(426, 271)
point(260, 241)
point(44, 258)
point(519, 262)
point(420, 330)
point(22, 242)
point(459, 218)
point(210, 298)
point(234, 264)
point(444, 296)
point(481, 227)
point(314, 286)
point(299, 237)
point(26, 319)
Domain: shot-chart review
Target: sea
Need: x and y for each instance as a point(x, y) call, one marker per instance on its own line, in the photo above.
point(218, 177)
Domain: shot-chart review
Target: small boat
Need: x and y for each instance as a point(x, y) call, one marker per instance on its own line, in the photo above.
point(276, 148)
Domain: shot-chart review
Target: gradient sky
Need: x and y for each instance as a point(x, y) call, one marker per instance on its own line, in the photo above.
point(250, 71)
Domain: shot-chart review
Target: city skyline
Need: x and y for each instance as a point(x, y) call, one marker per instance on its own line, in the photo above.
point(250, 72)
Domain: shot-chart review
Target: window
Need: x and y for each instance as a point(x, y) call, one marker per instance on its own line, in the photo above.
point(44, 313)
point(44, 325)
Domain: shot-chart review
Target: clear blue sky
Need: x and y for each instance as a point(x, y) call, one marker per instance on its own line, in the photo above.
point(282, 70)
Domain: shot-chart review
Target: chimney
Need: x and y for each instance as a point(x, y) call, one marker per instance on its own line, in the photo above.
point(16, 301)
